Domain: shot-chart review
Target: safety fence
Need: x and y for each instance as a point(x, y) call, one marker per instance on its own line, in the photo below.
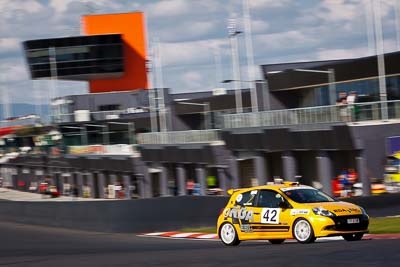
point(312, 115)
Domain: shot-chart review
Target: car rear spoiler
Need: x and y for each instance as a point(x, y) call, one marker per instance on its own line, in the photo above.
point(231, 191)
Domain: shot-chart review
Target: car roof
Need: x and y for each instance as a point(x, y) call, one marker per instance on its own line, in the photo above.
point(286, 185)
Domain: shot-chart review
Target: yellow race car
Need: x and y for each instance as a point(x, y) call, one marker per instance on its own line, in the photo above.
point(285, 211)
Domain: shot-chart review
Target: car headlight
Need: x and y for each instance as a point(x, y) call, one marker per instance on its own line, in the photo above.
point(323, 212)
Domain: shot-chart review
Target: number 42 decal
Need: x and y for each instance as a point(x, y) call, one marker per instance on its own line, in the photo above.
point(270, 215)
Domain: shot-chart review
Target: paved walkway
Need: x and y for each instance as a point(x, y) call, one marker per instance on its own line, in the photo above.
point(15, 195)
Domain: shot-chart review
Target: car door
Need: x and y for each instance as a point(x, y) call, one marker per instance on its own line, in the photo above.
point(270, 219)
point(242, 213)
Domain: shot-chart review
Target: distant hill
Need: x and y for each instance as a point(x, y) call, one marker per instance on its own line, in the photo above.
point(21, 109)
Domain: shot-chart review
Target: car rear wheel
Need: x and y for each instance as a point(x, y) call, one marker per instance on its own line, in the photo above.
point(303, 231)
point(228, 235)
point(353, 237)
point(276, 241)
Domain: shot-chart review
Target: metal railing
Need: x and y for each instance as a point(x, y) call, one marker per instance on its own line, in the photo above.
point(94, 115)
point(179, 137)
point(323, 114)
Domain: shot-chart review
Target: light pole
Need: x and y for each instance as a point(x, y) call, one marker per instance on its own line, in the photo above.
point(250, 57)
point(53, 71)
point(152, 91)
point(331, 81)
point(160, 87)
point(380, 53)
point(397, 13)
point(233, 32)
point(5, 96)
point(370, 27)
point(206, 111)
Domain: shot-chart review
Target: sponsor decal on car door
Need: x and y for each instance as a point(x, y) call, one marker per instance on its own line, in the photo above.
point(268, 216)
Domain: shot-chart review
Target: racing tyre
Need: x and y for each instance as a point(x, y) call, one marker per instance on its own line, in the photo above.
point(228, 235)
point(303, 232)
point(276, 241)
point(353, 237)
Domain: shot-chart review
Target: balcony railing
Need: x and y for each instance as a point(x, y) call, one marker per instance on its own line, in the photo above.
point(179, 137)
point(313, 115)
point(93, 115)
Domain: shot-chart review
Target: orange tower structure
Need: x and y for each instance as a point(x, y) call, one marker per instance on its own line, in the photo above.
point(132, 28)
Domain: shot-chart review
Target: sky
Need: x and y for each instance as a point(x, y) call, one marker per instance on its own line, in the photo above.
point(193, 34)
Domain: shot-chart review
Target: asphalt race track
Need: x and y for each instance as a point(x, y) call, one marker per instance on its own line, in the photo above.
point(24, 245)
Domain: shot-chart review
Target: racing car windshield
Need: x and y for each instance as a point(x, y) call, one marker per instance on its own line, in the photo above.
point(307, 195)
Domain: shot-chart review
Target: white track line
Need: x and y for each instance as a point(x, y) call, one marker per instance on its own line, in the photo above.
point(155, 234)
point(182, 235)
point(209, 236)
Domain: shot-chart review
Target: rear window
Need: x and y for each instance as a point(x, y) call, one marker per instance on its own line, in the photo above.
point(246, 198)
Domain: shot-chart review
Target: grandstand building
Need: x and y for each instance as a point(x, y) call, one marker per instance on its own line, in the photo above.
point(305, 130)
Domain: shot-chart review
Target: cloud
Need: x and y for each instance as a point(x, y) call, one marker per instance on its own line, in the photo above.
point(258, 26)
point(268, 3)
point(9, 46)
point(344, 10)
point(338, 10)
point(169, 8)
point(13, 69)
point(330, 54)
point(61, 6)
point(285, 40)
point(192, 78)
point(183, 8)
point(195, 79)
point(192, 53)
point(355, 52)
point(29, 6)
point(190, 30)
point(185, 31)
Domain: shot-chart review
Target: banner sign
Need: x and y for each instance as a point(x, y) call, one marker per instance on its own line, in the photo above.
point(121, 149)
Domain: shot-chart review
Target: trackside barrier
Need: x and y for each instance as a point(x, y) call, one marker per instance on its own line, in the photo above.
point(148, 215)
point(123, 216)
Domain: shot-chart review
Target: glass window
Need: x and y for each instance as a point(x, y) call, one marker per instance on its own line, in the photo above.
point(366, 90)
point(307, 195)
point(109, 107)
point(269, 199)
point(246, 198)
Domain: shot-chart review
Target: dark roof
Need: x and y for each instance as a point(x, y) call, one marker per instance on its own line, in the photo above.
point(344, 69)
point(219, 102)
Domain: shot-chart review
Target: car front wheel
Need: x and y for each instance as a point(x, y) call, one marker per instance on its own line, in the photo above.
point(228, 235)
point(353, 237)
point(303, 231)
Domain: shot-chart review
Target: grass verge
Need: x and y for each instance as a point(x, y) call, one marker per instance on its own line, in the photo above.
point(383, 225)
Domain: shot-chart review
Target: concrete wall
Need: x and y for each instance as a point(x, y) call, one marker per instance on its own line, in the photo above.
point(134, 216)
point(147, 215)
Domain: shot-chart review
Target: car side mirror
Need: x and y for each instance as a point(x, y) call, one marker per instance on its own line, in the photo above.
point(284, 205)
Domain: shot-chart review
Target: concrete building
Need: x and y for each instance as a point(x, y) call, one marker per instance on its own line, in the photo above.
point(304, 129)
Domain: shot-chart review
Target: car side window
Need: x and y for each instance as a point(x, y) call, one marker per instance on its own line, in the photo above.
point(269, 199)
point(246, 198)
